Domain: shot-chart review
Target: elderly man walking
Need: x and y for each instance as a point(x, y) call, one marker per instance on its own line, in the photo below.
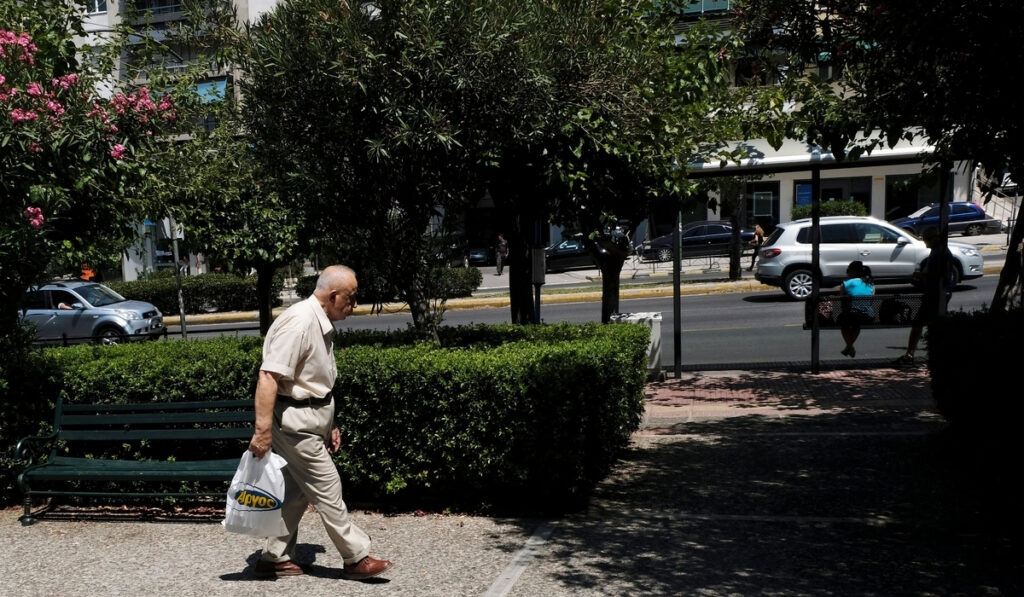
point(295, 418)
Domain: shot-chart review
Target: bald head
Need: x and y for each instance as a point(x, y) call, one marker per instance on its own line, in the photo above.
point(334, 277)
point(336, 291)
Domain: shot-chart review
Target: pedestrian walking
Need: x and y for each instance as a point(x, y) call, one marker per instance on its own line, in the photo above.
point(501, 253)
point(756, 242)
point(295, 418)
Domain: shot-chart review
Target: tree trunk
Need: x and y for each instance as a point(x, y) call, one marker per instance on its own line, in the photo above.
point(425, 319)
point(520, 279)
point(264, 282)
point(611, 269)
point(1010, 291)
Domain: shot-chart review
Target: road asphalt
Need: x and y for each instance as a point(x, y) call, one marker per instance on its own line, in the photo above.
point(638, 279)
point(783, 483)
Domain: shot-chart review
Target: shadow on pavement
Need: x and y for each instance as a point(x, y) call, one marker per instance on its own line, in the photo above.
point(854, 488)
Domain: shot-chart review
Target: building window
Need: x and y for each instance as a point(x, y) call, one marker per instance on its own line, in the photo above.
point(763, 203)
point(95, 6)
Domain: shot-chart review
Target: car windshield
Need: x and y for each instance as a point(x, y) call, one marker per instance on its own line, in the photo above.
point(98, 295)
point(920, 212)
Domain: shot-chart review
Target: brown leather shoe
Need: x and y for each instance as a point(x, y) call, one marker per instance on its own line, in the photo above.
point(366, 568)
point(267, 569)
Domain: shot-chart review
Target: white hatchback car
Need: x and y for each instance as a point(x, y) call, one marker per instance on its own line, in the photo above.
point(892, 254)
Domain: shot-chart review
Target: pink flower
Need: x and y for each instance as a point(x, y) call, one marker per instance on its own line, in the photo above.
point(34, 216)
point(34, 89)
point(2, 79)
point(34, 147)
point(65, 81)
point(117, 152)
point(19, 115)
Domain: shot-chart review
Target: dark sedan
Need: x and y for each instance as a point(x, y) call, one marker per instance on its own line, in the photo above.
point(699, 240)
point(969, 219)
point(567, 254)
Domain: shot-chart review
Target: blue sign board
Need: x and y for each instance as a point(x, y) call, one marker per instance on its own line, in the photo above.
point(804, 194)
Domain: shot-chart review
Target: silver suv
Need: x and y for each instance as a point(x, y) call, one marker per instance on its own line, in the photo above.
point(72, 312)
point(892, 254)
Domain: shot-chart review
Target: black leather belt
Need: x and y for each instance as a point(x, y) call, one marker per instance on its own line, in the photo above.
point(305, 401)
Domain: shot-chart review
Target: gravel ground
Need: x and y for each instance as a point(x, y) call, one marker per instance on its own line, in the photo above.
point(739, 483)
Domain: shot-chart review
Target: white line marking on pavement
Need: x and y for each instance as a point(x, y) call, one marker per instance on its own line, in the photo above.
point(503, 584)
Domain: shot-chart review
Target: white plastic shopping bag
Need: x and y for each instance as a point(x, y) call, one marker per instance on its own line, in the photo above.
point(255, 497)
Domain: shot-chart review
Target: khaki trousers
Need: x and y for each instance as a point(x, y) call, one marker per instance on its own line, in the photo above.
point(300, 436)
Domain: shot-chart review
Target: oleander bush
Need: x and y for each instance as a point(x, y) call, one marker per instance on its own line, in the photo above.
point(496, 416)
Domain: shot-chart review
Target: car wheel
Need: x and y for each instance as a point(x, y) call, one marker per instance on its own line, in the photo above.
point(973, 230)
point(957, 275)
point(109, 335)
point(665, 254)
point(798, 283)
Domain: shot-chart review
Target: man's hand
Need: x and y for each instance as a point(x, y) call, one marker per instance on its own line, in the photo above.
point(260, 443)
point(334, 442)
point(266, 397)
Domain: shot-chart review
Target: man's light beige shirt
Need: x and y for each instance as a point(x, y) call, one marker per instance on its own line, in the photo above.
point(300, 346)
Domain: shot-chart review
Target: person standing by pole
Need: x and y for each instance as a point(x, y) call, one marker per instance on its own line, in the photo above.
point(937, 279)
point(295, 417)
point(501, 253)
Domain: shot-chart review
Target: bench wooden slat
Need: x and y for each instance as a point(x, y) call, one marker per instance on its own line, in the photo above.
point(71, 469)
point(162, 419)
point(77, 427)
point(153, 434)
point(70, 407)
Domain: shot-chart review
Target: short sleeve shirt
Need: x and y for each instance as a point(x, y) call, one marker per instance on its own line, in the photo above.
point(300, 347)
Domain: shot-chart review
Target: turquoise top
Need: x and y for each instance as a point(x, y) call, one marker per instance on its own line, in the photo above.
point(858, 287)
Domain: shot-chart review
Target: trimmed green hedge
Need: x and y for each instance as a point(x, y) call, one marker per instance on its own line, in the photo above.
point(498, 416)
point(977, 392)
point(205, 293)
point(831, 208)
point(448, 282)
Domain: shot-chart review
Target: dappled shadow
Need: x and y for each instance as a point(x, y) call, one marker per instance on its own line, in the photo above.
point(841, 502)
point(702, 395)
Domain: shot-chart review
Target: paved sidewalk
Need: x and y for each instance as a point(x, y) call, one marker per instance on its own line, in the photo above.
point(738, 483)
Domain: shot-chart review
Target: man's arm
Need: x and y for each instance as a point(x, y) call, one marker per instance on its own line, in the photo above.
point(266, 398)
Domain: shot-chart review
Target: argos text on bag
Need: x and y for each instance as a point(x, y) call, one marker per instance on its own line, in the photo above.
point(255, 497)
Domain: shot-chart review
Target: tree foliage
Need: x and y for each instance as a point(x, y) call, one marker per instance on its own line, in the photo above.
point(914, 68)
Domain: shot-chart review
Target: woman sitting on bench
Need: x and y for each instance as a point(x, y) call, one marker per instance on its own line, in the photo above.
point(856, 311)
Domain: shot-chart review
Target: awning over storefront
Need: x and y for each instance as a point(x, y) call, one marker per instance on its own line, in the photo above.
point(795, 156)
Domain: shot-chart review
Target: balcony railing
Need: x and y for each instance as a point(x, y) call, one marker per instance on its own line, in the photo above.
point(702, 6)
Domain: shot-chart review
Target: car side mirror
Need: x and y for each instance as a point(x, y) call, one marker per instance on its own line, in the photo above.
point(901, 241)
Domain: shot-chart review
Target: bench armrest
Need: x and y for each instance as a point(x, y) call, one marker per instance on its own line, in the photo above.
point(23, 450)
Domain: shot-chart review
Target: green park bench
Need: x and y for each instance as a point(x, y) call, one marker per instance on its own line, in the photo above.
point(890, 310)
point(93, 450)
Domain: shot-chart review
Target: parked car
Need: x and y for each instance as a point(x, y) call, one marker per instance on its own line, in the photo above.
point(699, 239)
point(481, 255)
point(892, 254)
point(74, 312)
point(567, 254)
point(969, 219)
